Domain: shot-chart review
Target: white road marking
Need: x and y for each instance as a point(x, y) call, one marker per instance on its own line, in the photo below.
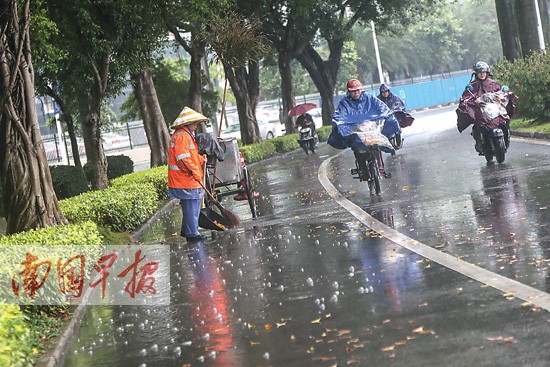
point(519, 290)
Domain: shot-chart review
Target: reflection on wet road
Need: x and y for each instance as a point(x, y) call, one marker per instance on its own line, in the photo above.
point(306, 284)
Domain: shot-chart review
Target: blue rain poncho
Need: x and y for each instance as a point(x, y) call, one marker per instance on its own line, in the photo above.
point(350, 114)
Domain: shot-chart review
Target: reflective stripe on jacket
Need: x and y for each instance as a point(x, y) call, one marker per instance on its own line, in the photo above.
point(185, 164)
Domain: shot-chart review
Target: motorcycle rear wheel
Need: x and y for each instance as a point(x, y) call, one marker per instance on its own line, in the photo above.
point(312, 145)
point(304, 146)
point(500, 149)
point(488, 151)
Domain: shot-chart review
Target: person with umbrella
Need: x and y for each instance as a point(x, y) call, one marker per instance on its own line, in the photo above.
point(307, 135)
point(305, 120)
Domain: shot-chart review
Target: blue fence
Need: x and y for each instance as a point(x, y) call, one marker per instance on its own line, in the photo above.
point(417, 93)
point(429, 93)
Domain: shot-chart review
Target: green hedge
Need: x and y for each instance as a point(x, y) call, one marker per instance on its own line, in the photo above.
point(529, 79)
point(122, 208)
point(282, 144)
point(257, 152)
point(15, 331)
point(53, 243)
point(324, 132)
point(15, 347)
point(117, 165)
point(286, 143)
point(85, 233)
point(158, 176)
point(68, 181)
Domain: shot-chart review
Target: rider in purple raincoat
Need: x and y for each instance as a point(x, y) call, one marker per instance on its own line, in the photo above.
point(469, 111)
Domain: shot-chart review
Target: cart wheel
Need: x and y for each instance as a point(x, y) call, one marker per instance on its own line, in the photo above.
point(250, 193)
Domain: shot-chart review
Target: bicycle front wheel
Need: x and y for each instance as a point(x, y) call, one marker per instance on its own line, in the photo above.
point(374, 183)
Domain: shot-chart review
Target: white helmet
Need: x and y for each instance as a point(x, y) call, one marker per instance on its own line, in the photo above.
point(481, 67)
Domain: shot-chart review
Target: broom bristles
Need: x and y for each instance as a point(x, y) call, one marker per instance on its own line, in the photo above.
point(232, 218)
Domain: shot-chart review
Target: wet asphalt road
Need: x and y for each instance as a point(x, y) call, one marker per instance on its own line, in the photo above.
point(308, 284)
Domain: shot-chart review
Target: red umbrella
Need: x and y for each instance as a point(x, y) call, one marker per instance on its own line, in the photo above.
point(301, 109)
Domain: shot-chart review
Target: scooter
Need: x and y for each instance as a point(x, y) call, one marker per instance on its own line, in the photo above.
point(494, 142)
point(405, 119)
point(491, 128)
point(307, 139)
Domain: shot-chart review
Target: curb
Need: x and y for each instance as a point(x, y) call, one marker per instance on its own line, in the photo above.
point(531, 135)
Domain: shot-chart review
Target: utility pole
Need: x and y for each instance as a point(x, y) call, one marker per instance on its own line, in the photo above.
point(539, 27)
point(378, 63)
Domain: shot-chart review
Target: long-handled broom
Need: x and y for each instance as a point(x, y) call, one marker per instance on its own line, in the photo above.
point(232, 218)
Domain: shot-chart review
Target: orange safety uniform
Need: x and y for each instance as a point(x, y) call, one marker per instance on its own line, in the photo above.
point(185, 164)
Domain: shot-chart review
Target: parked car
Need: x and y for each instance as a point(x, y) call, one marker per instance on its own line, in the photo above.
point(268, 127)
point(115, 141)
point(53, 150)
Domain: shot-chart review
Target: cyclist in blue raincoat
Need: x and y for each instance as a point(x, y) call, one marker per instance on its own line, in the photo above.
point(354, 109)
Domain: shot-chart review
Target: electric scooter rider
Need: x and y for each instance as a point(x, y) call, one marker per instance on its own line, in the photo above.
point(305, 120)
point(482, 83)
point(394, 103)
point(358, 106)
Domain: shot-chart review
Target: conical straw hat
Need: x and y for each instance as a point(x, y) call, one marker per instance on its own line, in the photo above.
point(187, 116)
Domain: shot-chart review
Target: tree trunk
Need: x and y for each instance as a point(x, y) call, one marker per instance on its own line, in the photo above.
point(29, 198)
point(89, 106)
point(68, 119)
point(287, 88)
point(72, 136)
point(323, 74)
point(196, 49)
point(95, 154)
point(245, 84)
point(153, 120)
point(509, 33)
point(195, 80)
point(526, 16)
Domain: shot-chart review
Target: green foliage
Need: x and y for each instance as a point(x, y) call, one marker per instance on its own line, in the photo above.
point(157, 176)
point(50, 243)
point(122, 208)
point(236, 40)
point(111, 238)
point(84, 234)
point(324, 132)
point(45, 322)
point(529, 79)
point(256, 152)
point(530, 125)
point(172, 87)
point(15, 348)
point(286, 143)
point(68, 181)
point(117, 165)
point(453, 37)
